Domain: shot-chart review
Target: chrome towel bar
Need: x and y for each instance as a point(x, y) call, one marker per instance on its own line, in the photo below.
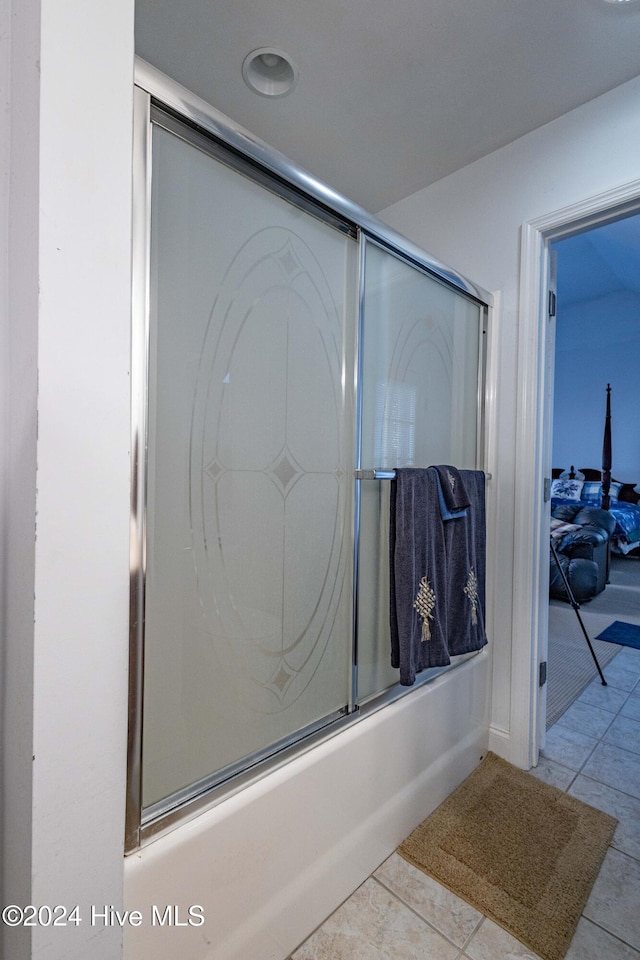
point(377, 474)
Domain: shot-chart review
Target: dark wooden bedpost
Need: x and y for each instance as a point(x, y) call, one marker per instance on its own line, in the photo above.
point(606, 453)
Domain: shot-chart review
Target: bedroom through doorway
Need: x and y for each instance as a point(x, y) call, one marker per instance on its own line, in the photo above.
point(597, 342)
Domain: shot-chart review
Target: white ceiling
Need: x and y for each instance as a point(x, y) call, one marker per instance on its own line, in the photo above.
point(395, 95)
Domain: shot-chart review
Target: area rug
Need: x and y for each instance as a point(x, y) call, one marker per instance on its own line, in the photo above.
point(627, 634)
point(518, 850)
point(570, 665)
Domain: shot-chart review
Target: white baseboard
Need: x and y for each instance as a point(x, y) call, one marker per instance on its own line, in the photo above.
point(500, 742)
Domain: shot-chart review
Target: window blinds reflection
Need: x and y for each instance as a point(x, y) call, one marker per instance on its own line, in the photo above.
point(395, 441)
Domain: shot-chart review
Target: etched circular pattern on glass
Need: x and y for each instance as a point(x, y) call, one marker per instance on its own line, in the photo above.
point(267, 479)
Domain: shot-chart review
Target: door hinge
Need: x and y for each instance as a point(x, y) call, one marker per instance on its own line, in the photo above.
point(547, 490)
point(552, 303)
point(542, 676)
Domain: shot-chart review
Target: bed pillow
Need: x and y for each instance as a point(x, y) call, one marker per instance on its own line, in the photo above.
point(567, 489)
point(614, 490)
point(592, 491)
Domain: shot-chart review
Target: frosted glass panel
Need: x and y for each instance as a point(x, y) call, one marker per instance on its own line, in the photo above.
point(249, 516)
point(420, 368)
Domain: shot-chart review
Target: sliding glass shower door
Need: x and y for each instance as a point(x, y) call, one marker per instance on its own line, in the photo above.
point(248, 613)
point(421, 349)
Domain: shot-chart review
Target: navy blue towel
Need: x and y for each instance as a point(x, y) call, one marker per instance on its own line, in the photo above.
point(452, 493)
point(437, 570)
point(453, 488)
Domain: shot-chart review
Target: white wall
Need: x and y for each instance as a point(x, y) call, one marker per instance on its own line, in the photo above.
point(597, 342)
point(66, 319)
point(472, 219)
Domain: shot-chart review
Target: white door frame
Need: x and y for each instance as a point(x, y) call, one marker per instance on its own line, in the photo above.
point(533, 452)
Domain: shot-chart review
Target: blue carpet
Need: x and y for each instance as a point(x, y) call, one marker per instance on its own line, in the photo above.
point(628, 634)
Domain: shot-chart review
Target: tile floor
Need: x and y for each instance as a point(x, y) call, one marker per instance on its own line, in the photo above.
point(593, 752)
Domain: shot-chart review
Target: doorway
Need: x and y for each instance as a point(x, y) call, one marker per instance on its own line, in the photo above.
point(597, 339)
point(533, 454)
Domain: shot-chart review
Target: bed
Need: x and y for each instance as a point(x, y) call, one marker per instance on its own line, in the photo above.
point(593, 487)
point(623, 504)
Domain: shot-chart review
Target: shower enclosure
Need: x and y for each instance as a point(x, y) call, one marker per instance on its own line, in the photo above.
point(289, 353)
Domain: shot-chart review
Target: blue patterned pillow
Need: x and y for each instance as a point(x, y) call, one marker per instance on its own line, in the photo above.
point(567, 489)
point(592, 491)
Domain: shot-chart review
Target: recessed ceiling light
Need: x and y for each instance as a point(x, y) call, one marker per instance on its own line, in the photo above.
point(269, 72)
